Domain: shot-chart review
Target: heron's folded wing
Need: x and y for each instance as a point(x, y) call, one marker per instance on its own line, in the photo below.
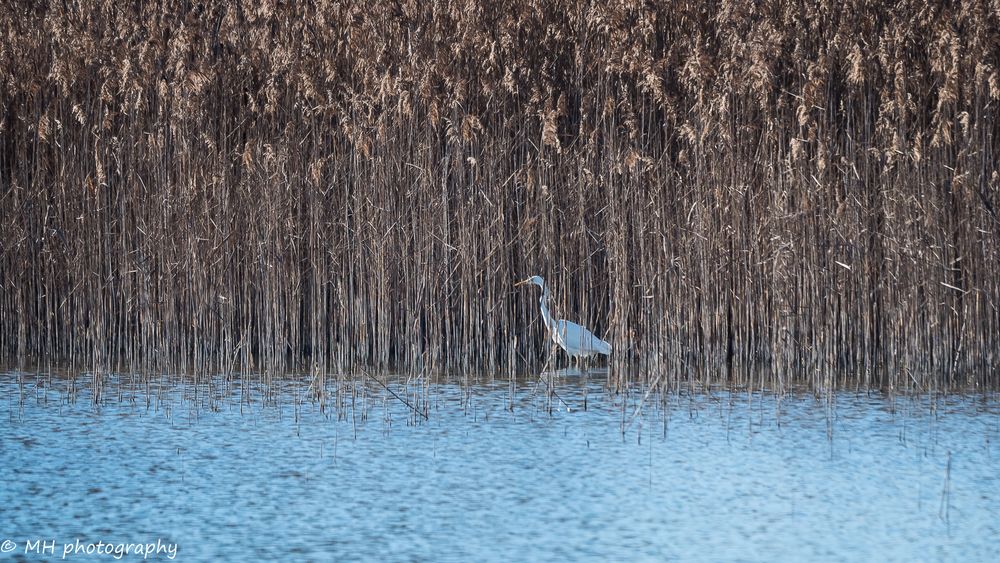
point(578, 337)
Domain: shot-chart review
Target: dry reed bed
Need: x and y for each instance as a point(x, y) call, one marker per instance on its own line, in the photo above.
point(789, 191)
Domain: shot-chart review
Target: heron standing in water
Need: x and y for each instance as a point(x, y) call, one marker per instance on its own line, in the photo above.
point(576, 340)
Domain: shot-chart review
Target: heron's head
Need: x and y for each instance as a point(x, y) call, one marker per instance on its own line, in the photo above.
point(537, 280)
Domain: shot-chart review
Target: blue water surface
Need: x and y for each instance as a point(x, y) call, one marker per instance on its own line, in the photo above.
point(242, 471)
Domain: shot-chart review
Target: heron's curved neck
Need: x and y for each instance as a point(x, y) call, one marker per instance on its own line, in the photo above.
point(545, 310)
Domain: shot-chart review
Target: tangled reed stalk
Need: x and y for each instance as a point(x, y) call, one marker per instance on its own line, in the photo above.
point(795, 191)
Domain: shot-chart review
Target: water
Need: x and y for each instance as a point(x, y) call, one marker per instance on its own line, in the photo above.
point(697, 476)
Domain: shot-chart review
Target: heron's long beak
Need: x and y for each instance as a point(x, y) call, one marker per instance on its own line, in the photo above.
point(522, 282)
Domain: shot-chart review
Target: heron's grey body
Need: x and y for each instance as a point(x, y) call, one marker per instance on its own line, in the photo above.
point(576, 340)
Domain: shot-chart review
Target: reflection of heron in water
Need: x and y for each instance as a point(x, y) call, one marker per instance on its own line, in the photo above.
point(576, 340)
